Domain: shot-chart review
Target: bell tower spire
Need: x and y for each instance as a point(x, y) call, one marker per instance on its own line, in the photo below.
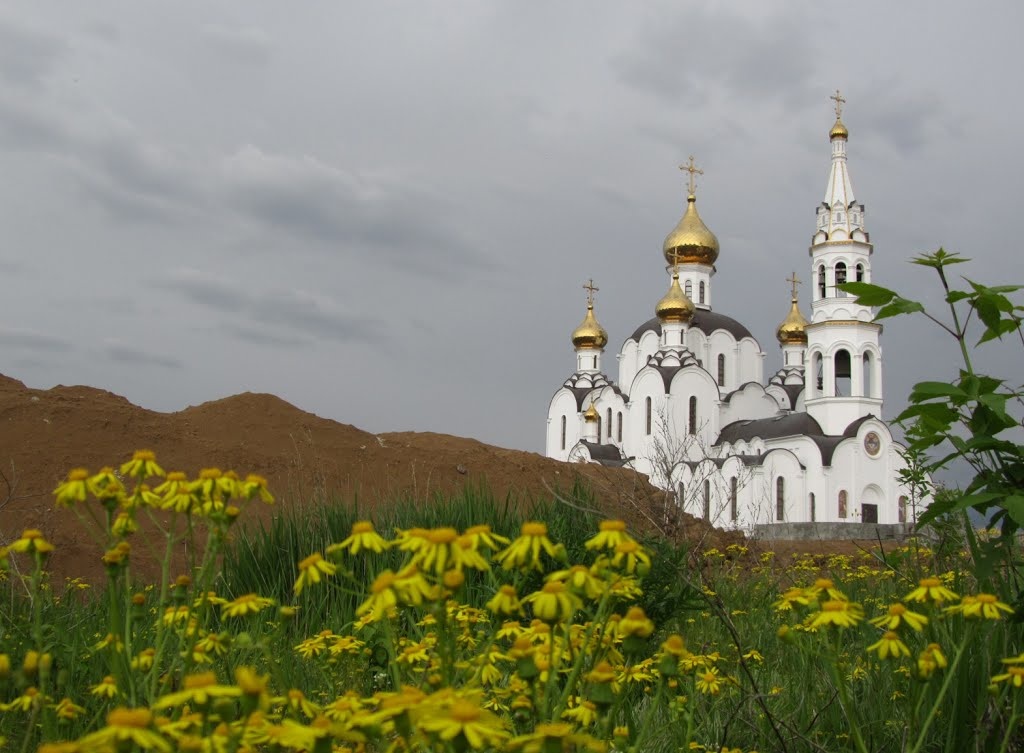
point(844, 359)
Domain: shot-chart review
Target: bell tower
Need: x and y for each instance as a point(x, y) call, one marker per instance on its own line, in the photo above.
point(844, 358)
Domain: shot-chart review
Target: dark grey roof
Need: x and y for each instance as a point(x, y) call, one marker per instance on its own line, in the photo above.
point(706, 321)
point(589, 383)
point(791, 424)
point(793, 390)
point(605, 454)
point(769, 428)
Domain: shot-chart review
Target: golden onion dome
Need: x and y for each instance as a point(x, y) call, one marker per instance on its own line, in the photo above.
point(691, 242)
point(793, 330)
point(676, 305)
point(838, 131)
point(591, 415)
point(590, 334)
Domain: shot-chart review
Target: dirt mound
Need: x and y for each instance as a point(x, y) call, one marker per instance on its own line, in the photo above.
point(45, 433)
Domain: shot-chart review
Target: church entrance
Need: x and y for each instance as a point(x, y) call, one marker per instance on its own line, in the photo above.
point(869, 513)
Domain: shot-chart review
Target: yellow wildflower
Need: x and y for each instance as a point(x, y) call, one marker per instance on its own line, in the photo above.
point(930, 659)
point(106, 688)
point(142, 465)
point(383, 597)
point(611, 533)
point(889, 645)
point(630, 556)
point(482, 536)
point(68, 710)
point(524, 552)
point(479, 727)
point(584, 713)
point(506, 602)
point(246, 604)
point(74, 489)
point(175, 492)
point(1013, 676)
point(835, 612)
point(363, 536)
point(824, 587)
point(709, 682)
point(581, 580)
point(899, 615)
point(554, 602)
point(790, 597)
point(199, 690)
point(312, 569)
point(125, 728)
point(256, 486)
point(635, 623)
point(931, 589)
point(986, 606)
point(31, 542)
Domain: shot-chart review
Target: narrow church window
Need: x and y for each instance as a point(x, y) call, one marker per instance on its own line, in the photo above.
point(903, 509)
point(647, 404)
point(693, 414)
point(840, 278)
point(780, 498)
point(734, 512)
point(814, 513)
point(866, 382)
point(688, 289)
point(821, 281)
point(618, 426)
point(842, 504)
point(681, 495)
point(707, 499)
point(860, 273)
point(721, 369)
point(563, 432)
point(599, 429)
point(609, 424)
point(842, 367)
point(700, 294)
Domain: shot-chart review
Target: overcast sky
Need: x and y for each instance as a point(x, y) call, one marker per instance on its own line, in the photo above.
point(383, 212)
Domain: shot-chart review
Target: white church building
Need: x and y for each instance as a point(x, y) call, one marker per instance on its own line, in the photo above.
point(691, 407)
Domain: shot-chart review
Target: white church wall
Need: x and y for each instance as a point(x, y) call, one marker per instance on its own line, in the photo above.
point(562, 407)
point(750, 401)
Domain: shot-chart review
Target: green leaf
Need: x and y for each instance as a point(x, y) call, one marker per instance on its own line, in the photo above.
point(1014, 506)
point(938, 259)
point(929, 390)
point(957, 295)
point(897, 307)
point(1003, 327)
point(868, 294)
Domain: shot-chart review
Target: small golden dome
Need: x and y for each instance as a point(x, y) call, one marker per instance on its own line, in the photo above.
point(591, 415)
point(838, 131)
point(691, 242)
point(675, 306)
point(793, 330)
point(590, 334)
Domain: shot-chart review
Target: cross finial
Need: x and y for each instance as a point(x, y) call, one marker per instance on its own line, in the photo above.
point(694, 171)
point(591, 289)
point(840, 101)
point(676, 256)
point(794, 280)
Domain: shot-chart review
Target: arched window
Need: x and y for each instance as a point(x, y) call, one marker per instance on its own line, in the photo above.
point(860, 273)
point(618, 426)
point(734, 512)
point(818, 374)
point(814, 513)
point(821, 281)
point(866, 381)
point(721, 369)
point(902, 509)
point(700, 292)
point(688, 289)
point(840, 278)
point(609, 424)
point(563, 432)
point(707, 499)
point(693, 414)
point(842, 504)
point(647, 419)
point(780, 498)
point(841, 366)
point(681, 495)
point(599, 422)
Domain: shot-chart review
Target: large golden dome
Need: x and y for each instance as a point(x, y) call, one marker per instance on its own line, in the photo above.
point(675, 306)
point(590, 334)
point(793, 330)
point(691, 242)
point(838, 130)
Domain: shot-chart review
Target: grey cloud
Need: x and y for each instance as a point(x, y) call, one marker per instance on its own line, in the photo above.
point(245, 44)
point(345, 210)
point(293, 313)
point(693, 56)
point(906, 120)
point(264, 336)
point(27, 56)
point(130, 356)
point(34, 341)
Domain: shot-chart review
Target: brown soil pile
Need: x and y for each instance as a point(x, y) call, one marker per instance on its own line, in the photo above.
point(45, 433)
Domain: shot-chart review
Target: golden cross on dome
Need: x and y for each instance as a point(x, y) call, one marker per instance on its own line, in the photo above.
point(840, 101)
point(591, 289)
point(694, 171)
point(795, 281)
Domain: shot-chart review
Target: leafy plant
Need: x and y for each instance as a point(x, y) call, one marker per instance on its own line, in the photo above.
point(968, 419)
